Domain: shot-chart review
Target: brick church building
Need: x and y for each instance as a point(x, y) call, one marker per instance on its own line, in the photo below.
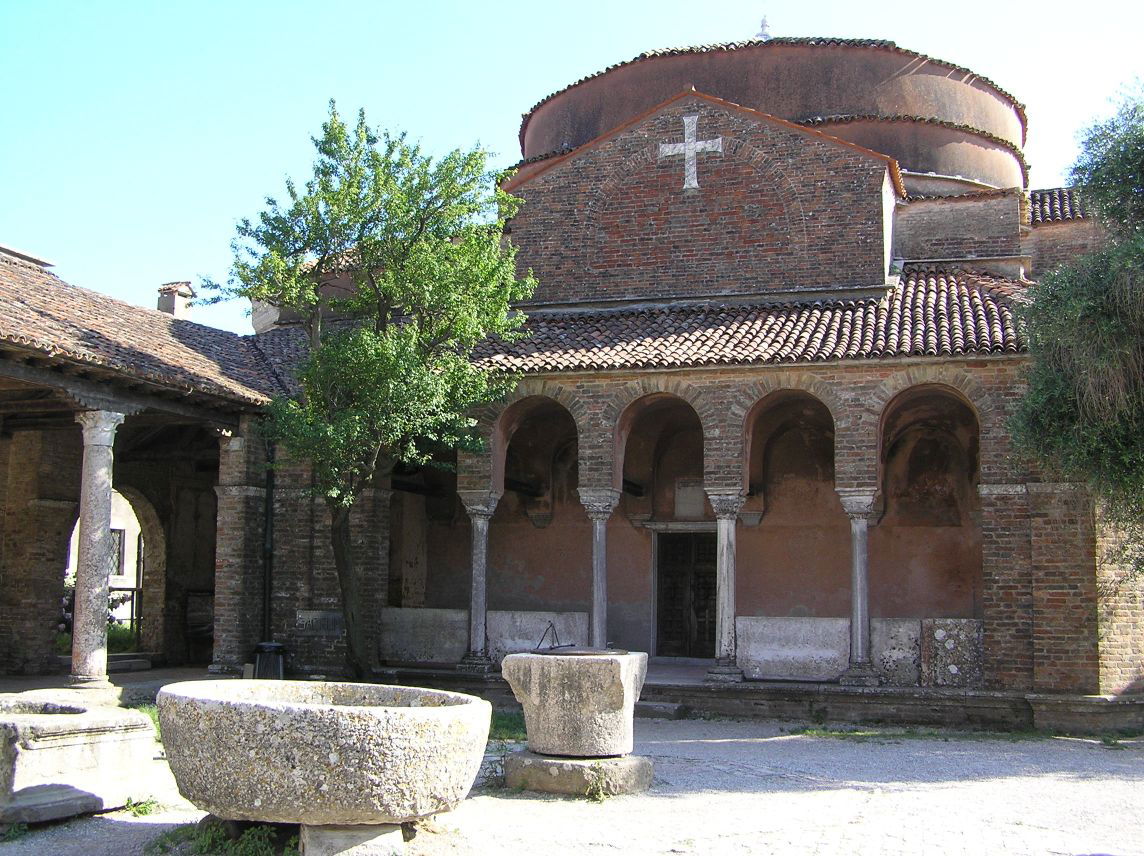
point(762, 422)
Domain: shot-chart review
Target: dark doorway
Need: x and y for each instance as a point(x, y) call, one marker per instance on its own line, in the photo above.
point(685, 618)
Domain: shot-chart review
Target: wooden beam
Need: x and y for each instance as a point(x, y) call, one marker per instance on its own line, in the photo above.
point(101, 396)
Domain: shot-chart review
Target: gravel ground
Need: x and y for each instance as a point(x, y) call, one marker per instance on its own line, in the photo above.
point(752, 787)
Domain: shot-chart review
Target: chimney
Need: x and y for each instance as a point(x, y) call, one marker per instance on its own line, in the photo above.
point(175, 298)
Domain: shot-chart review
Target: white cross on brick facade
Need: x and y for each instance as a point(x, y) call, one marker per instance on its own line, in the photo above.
point(688, 148)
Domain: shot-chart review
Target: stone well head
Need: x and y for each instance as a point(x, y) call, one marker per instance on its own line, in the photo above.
point(321, 753)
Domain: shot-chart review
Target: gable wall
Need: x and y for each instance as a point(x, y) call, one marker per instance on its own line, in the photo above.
point(779, 209)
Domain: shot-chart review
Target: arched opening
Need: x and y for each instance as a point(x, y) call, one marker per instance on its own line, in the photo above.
point(540, 538)
point(659, 443)
point(925, 552)
point(126, 631)
point(794, 551)
point(152, 570)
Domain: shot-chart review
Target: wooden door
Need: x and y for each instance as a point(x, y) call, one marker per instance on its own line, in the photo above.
point(685, 617)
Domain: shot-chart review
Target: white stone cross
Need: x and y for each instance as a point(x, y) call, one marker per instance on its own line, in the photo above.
point(689, 148)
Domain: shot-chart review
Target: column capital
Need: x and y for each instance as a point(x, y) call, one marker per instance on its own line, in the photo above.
point(725, 502)
point(599, 502)
point(99, 426)
point(480, 503)
point(860, 503)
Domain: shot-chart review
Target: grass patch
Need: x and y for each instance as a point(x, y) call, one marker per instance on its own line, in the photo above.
point(863, 735)
point(152, 711)
point(142, 808)
point(211, 838)
point(120, 640)
point(507, 725)
point(13, 831)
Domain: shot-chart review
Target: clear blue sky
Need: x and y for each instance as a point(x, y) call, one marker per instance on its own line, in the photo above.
point(135, 134)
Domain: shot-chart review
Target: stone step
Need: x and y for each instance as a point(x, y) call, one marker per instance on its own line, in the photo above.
point(661, 710)
point(128, 664)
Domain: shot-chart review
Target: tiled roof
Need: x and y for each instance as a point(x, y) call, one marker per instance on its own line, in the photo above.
point(810, 41)
point(829, 121)
point(40, 312)
point(1059, 203)
point(929, 313)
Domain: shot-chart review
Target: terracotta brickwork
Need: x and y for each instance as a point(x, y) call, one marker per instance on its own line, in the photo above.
point(1052, 244)
point(795, 210)
point(1063, 554)
point(1120, 587)
point(41, 501)
point(303, 573)
point(960, 228)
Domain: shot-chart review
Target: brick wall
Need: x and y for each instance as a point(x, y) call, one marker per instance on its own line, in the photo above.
point(1120, 614)
point(1051, 244)
point(1062, 550)
point(779, 208)
point(959, 227)
point(40, 509)
point(1007, 586)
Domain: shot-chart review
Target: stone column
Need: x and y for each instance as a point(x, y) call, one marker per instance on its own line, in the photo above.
point(861, 505)
point(726, 504)
point(89, 621)
point(480, 504)
point(599, 502)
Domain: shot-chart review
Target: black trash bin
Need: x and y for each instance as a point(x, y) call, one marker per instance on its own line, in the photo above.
point(269, 660)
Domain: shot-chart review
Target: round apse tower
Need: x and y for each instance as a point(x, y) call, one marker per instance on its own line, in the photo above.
point(950, 130)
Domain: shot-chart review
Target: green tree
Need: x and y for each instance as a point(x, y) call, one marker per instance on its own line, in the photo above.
point(1083, 413)
point(397, 266)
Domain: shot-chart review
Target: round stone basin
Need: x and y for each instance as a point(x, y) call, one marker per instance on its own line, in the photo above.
point(321, 753)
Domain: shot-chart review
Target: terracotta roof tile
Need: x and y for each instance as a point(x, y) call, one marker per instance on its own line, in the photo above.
point(40, 312)
point(811, 41)
point(1055, 205)
point(850, 118)
point(930, 313)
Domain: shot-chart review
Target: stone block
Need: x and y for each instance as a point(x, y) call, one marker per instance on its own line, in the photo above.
point(382, 839)
point(951, 652)
point(894, 648)
point(59, 759)
point(792, 648)
point(630, 774)
point(577, 706)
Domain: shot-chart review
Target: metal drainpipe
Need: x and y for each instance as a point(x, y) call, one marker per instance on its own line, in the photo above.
point(268, 542)
point(269, 657)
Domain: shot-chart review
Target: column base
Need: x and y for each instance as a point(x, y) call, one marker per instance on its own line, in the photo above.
point(724, 672)
point(859, 675)
point(477, 663)
point(89, 682)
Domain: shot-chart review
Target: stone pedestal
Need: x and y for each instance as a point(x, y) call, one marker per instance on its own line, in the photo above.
point(382, 839)
point(578, 712)
point(628, 774)
point(577, 706)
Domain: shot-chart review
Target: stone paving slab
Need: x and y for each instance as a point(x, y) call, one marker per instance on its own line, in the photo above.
point(753, 788)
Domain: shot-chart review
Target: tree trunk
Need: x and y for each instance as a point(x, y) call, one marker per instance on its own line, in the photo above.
point(358, 658)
